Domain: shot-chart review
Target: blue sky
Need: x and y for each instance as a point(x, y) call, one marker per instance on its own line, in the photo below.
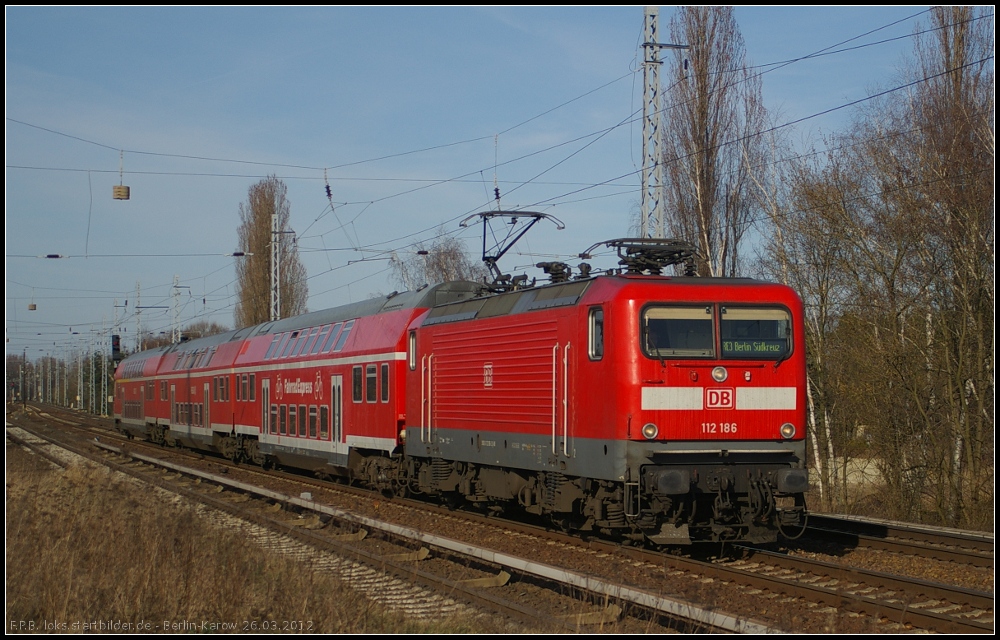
point(409, 114)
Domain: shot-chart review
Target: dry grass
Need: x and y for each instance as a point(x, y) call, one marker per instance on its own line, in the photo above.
point(84, 547)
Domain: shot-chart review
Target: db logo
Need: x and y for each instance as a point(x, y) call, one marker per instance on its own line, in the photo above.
point(488, 375)
point(720, 398)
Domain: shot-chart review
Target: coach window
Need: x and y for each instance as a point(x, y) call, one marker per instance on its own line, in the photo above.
point(302, 420)
point(292, 414)
point(371, 380)
point(287, 348)
point(755, 333)
point(324, 421)
point(282, 429)
point(274, 418)
point(309, 343)
point(274, 345)
point(343, 335)
point(281, 345)
point(678, 332)
point(253, 386)
point(596, 333)
point(332, 338)
point(244, 379)
point(356, 384)
point(304, 344)
point(413, 351)
point(320, 339)
point(297, 347)
point(385, 383)
point(312, 421)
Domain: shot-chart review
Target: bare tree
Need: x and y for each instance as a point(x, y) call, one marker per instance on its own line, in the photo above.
point(199, 329)
point(891, 242)
point(253, 271)
point(443, 260)
point(711, 140)
point(951, 167)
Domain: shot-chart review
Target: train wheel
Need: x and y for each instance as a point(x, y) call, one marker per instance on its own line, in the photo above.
point(251, 450)
point(228, 448)
point(401, 488)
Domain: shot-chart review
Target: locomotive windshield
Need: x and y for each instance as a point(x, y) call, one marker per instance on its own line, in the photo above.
point(690, 332)
point(678, 331)
point(755, 333)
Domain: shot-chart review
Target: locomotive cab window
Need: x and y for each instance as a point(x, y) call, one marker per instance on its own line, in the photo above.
point(412, 351)
point(755, 333)
point(678, 332)
point(596, 333)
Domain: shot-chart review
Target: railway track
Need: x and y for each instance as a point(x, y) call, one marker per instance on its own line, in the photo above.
point(903, 601)
point(388, 566)
point(935, 543)
point(776, 588)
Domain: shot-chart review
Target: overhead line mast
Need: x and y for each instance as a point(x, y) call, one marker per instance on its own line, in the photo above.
point(652, 224)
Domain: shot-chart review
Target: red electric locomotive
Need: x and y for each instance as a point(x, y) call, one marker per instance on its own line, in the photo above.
point(642, 406)
point(666, 408)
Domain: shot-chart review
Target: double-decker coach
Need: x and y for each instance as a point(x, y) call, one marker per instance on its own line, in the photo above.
point(304, 391)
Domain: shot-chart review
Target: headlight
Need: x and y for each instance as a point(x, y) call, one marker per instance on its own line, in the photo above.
point(650, 430)
point(719, 374)
point(787, 430)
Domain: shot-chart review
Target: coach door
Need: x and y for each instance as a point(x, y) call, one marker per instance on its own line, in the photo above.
point(337, 414)
point(265, 408)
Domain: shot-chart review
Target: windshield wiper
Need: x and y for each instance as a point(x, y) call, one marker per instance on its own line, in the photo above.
point(650, 342)
point(783, 357)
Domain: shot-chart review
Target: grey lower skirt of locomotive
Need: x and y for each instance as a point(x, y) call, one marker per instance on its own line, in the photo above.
point(691, 499)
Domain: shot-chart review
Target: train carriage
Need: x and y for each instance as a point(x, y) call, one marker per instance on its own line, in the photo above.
point(305, 391)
